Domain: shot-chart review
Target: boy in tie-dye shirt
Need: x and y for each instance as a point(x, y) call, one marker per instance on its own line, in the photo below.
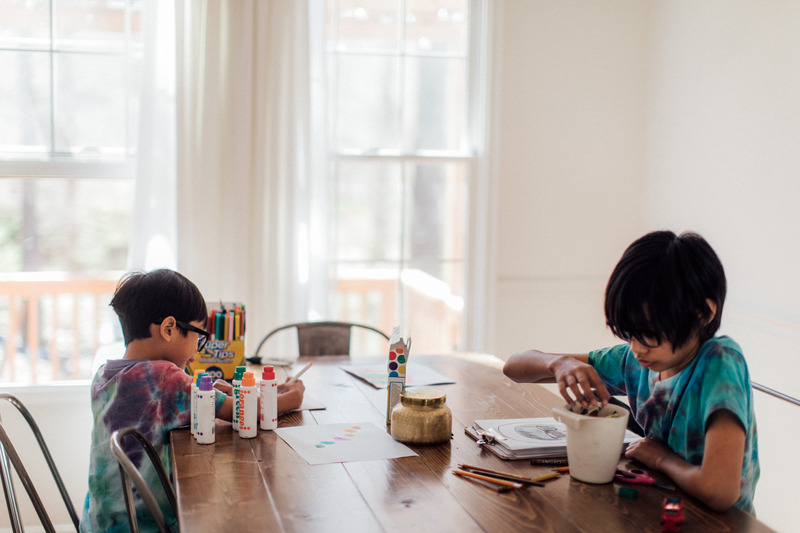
point(162, 314)
point(688, 389)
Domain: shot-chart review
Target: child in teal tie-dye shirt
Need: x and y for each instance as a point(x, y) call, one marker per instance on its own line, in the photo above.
point(162, 315)
point(688, 390)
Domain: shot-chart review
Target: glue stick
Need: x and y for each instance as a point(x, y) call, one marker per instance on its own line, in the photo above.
point(205, 411)
point(269, 399)
point(237, 383)
point(248, 407)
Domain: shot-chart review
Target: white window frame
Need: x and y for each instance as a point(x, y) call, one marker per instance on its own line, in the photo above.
point(59, 164)
point(476, 261)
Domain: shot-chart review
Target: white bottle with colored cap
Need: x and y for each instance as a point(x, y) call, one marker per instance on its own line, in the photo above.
point(248, 407)
point(269, 399)
point(193, 407)
point(237, 383)
point(205, 411)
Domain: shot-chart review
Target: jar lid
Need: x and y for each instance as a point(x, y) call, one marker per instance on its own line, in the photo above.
point(423, 397)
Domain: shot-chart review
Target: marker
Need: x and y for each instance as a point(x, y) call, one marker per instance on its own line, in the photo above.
point(268, 392)
point(193, 406)
point(205, 412)
point(237, 384)
point(248, 407)
point(302, 371)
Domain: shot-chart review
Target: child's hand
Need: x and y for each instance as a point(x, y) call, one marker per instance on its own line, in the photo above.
point(648, 451)
point(289, 386)
point(290, 395)
point(224, 386)
point(576, 381)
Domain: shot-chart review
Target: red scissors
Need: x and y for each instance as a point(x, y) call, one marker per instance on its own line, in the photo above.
point(636, 475)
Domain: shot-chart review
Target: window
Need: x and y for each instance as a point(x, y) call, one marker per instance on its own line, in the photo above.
point(68, 106)
point(400, 164)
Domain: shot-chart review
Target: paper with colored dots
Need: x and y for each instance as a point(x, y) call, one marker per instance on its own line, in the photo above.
point(343, 443)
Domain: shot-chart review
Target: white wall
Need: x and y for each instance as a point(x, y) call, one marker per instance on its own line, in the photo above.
point(615, 118)
point(724, 159)
point(568, 158)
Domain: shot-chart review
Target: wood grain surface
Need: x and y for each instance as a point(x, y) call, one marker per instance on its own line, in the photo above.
point(261, 484)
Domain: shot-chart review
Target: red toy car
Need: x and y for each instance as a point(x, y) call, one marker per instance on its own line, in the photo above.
point(671, 514)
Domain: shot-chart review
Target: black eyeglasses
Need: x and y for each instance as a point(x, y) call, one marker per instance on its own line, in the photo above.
point(203, 335)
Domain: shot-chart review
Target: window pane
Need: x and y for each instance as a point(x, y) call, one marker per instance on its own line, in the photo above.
point(366, 104)
point(368, 211)
point(355, 25)
point(25, 24)
point(42, 230)
point(90, 103)
point(398, 103)
point(366, 292)
point(437, 26)
point(432, 307)
point(435, 104)
point(436, 221)
point(95, 25)
point(24, 103)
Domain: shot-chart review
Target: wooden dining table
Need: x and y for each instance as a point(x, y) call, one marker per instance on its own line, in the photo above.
point(261, 484)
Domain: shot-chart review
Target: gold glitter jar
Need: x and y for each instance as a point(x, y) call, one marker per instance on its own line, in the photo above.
point(422, 417)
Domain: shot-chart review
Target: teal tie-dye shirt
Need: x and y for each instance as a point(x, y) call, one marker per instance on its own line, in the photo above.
point(154, 397)
point(676, 410)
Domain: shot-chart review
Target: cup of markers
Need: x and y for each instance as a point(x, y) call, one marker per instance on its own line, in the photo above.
point(594, 443)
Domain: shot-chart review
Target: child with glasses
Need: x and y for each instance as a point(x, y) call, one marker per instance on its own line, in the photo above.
point(162, 315)
point(687, 388)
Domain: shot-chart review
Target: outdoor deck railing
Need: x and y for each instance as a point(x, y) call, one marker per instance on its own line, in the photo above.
point(52, 324)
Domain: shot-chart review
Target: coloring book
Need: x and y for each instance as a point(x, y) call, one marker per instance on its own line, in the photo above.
point(526, 438)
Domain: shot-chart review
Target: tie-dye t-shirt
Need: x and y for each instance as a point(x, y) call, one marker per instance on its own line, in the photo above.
point(154, 397)
point(676, 410)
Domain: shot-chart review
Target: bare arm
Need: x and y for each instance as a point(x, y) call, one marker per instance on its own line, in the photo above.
point(575, 376)
point(225, 411)
point(717, 480)
point(290, 396)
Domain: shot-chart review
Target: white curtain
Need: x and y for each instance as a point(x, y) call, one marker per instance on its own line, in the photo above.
point(243, 158)
point(154, 222)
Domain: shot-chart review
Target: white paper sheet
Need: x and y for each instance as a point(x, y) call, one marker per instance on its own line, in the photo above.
point(342, 443)
point(417, 375)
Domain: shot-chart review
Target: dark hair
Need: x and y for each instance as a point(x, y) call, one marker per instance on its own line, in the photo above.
point(144, 298)
point(660, 286)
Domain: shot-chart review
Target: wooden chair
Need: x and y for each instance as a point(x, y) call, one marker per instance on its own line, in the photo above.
point(319, 338)
point(128, 472)
point(9, 453)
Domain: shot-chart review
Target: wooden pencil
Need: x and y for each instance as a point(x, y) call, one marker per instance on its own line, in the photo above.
point(503, 482)
point(503, 475)
point(546, 477)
